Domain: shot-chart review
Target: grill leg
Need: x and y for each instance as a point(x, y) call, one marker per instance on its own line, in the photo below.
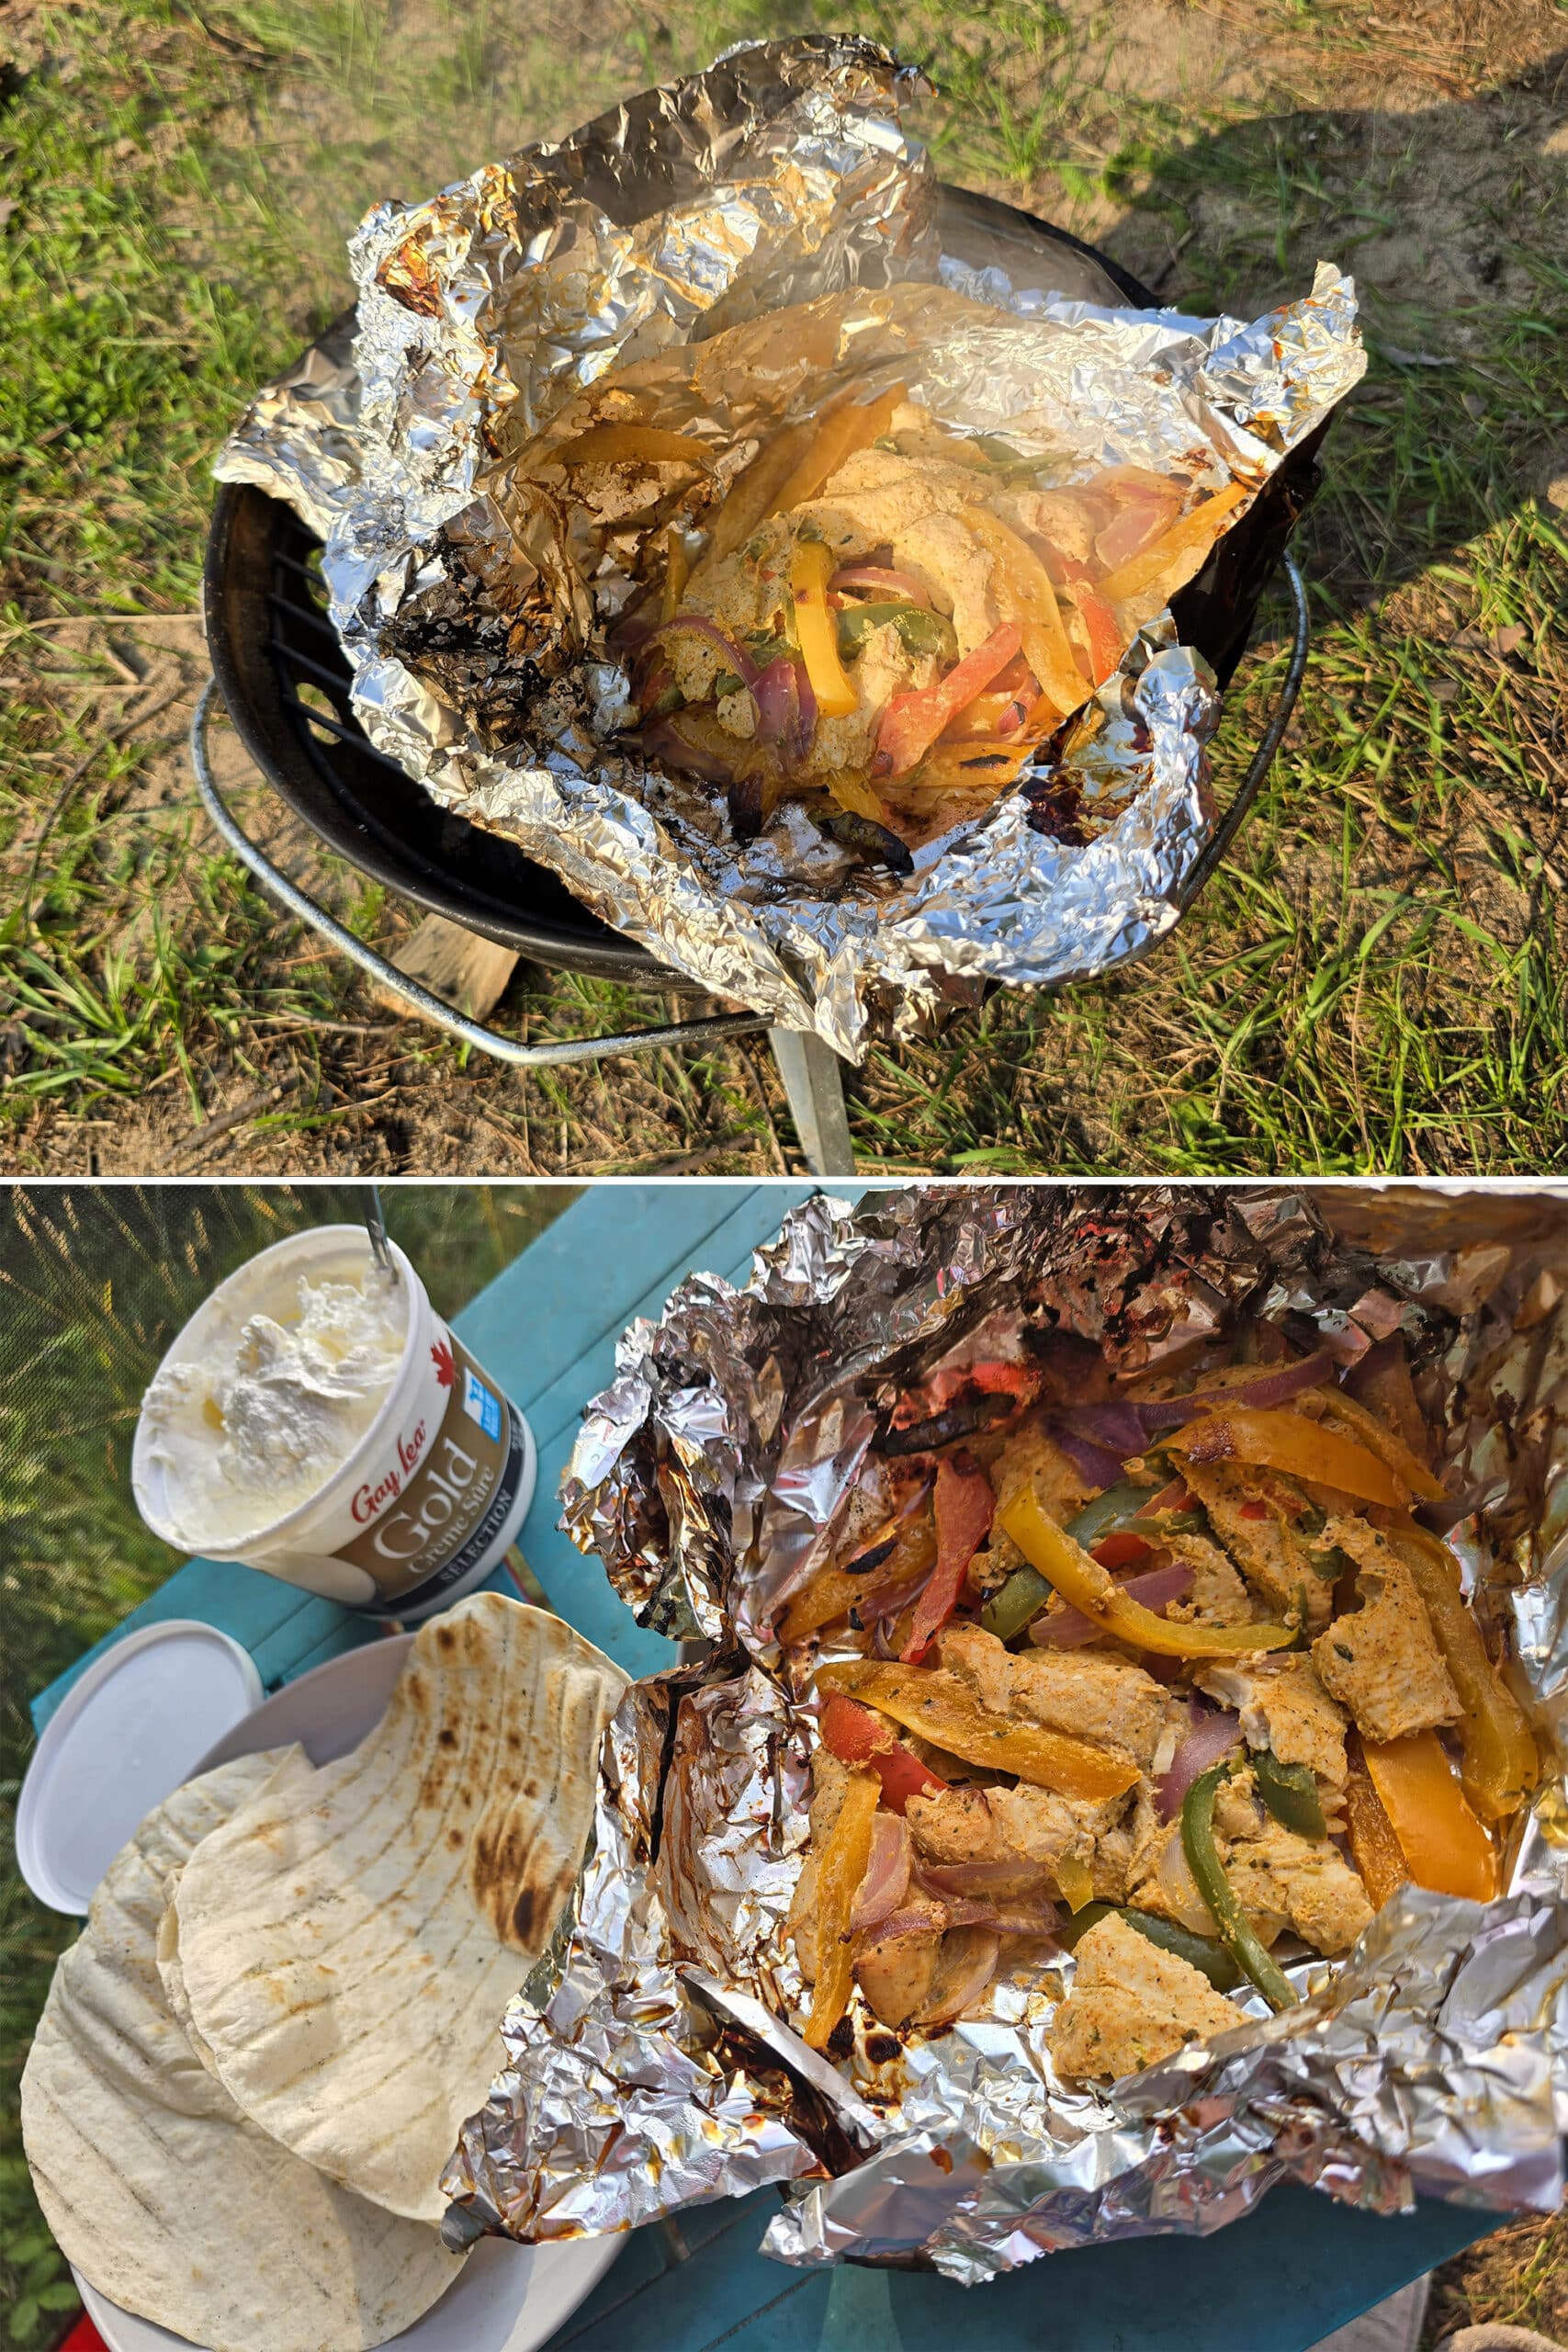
point(814, 1081)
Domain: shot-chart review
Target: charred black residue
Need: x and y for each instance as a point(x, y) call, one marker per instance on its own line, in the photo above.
point(869, 840)
point(882, 2049)
point(1054, 799)
point(842, 2041)
point(456, 640)
point(959, 1420)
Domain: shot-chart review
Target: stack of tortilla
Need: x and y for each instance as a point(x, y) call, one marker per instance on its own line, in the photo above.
point(253, 2066)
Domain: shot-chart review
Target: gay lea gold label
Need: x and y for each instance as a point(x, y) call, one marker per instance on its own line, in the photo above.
point(432, 1507)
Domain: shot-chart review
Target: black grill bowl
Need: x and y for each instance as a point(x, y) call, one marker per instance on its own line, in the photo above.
point(270, 640)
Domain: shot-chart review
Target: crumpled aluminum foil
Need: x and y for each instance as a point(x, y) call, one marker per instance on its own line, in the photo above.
point(654, 2060)
point(780, 175)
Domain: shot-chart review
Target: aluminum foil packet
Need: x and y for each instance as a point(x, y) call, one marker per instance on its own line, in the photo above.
point(654, 2060)
point(647, 254)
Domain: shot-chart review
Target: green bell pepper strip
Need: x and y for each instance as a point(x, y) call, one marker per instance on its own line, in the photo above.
point(1118, 1510)
point(1211, 1959)
point(922, 632)
point(1204, 1861)
point(1289, 1791)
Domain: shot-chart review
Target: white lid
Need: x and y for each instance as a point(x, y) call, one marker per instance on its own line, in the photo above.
point(126, 1734)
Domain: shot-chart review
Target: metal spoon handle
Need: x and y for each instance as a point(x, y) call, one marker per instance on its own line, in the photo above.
point(376, 1226)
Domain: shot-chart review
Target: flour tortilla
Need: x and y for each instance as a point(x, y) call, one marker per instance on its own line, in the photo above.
point(347, 1944)
point(154, 2184)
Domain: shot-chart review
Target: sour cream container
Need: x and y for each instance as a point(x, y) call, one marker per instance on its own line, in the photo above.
point(423, 1505)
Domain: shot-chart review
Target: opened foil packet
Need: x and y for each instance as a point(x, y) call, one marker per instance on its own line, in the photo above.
point(645, 259)
point(654, 2060)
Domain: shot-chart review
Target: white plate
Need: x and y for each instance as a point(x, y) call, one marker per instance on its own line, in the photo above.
point(506, 2298)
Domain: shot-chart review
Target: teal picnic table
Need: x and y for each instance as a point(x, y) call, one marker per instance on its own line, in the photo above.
point(1278, 2280)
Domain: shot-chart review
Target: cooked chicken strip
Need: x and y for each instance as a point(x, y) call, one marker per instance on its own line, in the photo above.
point(1032, 1458)
point(1033, 1827)
point(1281, 1881)
point(1273, 1557)
point(895, 1971)
point(1382, 1660)
point(1131, 2005)
point(1218, 1596)
point(1283, 1705)
point(1085, 1692)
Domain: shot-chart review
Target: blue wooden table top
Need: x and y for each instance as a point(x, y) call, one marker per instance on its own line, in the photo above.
point(1290, 2272)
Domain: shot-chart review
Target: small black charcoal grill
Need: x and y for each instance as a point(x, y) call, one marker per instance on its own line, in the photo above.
point(286, 685)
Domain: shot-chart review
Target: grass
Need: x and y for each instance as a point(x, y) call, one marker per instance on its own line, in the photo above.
point(95, 1285)
point(1376, 980)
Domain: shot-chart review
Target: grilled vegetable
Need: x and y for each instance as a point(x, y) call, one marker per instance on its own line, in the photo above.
point(911, 723)
point(922, 631)
point(1289, 1791)
point(839, 1871)
point(1025, 583)
point(943, 1709)
point(870, 840)
point(1445, 1846)
point(964, 1509)
point(853, 424)
point(857, 1737)
point(1375, 1851)
point(1501, 1764)
point(1290, 1443)
point(623, 445)
point(1146, 571)
point(1082, 1581)
point(1203, 1862)
point(809, 566)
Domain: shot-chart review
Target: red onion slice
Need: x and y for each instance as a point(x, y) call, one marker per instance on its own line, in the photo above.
point(1212, 1737)
point(777, 700)
point(663, 741)
point(977, 1880)
point(886, 1880)
point(1005, 1919)
point(1091, 1459)
point(1276, 1386)
point(878, 576)
point(698, 625)
point(1070, 1629)
point(1116, 1426)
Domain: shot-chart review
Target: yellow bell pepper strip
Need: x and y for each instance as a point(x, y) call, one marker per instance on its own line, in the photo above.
point(1444, 1845)
point(810, 563)
point(833, 1593)
point(1198, 530)
point(1375, 1851)
point(853, 792)
point(1290, 1443)
point(628, 445)
point(852, 426)
point(1076, 1881)
point(755, 493)
point(912, 722)
point(677, 572)
point(839, 1871)
point(943, 1709)
point(1379, 1438)
point(1501, 1763)
point(1021, 581)
point(1204, 1861)
point(1082, 1581)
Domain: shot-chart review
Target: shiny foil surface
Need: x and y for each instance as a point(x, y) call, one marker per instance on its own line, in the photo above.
point(654, 2060)
point(494, 316)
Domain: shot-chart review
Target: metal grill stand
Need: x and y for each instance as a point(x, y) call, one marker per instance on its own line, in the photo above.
point(811, 1072)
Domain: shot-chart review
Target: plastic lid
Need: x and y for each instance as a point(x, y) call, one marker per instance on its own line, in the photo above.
point(126, 1734)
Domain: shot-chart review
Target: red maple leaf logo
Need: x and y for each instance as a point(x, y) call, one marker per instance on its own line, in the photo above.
point(441, 1357)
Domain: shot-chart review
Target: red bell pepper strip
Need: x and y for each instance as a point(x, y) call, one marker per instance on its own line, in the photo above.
point(857, 1737)
point(911, 723)
point(1123, 1551)
point(966, 1506)
point(1100, 626)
